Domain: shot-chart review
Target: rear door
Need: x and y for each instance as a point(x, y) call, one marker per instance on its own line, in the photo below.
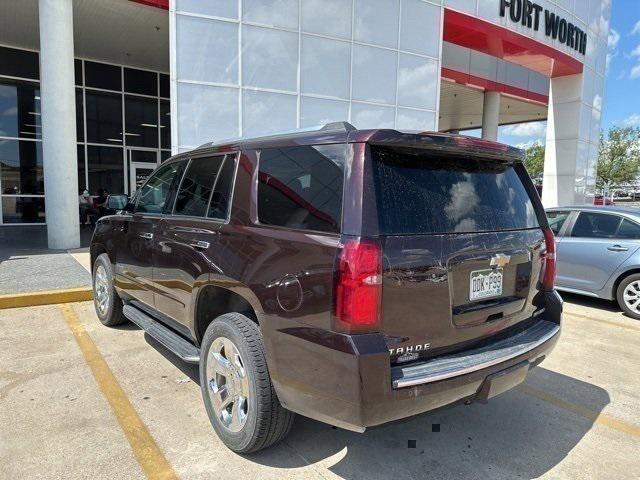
point(462, 248)
point(594, 248)
point(188, 237)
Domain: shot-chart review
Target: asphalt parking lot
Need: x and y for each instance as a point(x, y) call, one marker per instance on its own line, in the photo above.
point(78, 400)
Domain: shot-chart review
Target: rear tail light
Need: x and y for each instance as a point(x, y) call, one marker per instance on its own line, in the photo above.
point(358, 287)
point(549, 259)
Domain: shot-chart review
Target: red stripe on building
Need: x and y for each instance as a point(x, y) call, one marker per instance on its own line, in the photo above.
point(476, 34)
point(491, 86)
point(163, 4)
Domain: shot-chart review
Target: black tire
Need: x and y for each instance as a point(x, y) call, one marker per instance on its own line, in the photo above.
point(620, 295)
point(267, 422)
point(112, 314)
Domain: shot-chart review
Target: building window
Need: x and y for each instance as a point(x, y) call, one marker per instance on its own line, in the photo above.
point(101, 75)
point(104, 118)
point(21, 167)
point(141, 120)
point(140, 81)
point(82, 170)
point(165, 124)
point(106, 170)
point(23, 210)
point(19, 63)
point(19, 110)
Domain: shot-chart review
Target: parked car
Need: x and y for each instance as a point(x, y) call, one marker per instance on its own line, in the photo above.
point(352, 276)
point(600, 200)
point(598, 252)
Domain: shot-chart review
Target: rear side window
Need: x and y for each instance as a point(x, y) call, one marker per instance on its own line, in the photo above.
point(301, 187)
point(557, 220)
point(205, 189)
point(426, 194)
point(629, 230)
point(195, 190)
point(596, 225)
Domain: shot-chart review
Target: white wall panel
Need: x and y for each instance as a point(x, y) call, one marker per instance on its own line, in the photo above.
point(320, 111)
point(420, 28)
point(377, 21)
point(325, 66)
point(276, 13)
point(209, 50)
point(216, 8)
point(206, 113)
point(417, 82)
point(372, 116)
point(267, 112)
point(374, 74)
point(269, 58)
point(327, 17)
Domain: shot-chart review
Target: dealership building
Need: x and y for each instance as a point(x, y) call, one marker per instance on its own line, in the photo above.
point(95, 93)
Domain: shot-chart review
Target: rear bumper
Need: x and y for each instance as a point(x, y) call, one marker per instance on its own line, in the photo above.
point(348, 381)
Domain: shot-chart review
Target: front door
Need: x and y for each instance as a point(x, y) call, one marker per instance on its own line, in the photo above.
point(142, 163)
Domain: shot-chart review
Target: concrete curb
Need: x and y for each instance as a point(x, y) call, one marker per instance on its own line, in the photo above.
point(47, 297)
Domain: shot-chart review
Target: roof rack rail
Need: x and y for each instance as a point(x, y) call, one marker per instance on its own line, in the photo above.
point(333, 126)
point(344, 126)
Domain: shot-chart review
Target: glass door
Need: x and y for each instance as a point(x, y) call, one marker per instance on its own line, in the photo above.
point(142, 163)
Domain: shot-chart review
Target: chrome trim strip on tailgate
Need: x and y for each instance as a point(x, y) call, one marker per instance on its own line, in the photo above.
point(473, 360)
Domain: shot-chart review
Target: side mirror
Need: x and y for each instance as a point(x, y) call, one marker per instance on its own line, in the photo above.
point(117, 202)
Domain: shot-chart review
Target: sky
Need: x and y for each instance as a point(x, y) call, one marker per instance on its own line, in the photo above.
point(622, 87)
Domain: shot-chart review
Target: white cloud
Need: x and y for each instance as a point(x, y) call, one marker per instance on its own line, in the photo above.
point(530, 129)
point(635, 72)
point(636, 28)
point(614, 38)
point(635, 52)
point(632, 121)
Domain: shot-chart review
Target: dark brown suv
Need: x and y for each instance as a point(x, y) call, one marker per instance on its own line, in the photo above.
point(352, 276)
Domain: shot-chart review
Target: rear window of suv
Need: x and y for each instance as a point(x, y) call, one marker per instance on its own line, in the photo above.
point(301, 187)
point(426, 194)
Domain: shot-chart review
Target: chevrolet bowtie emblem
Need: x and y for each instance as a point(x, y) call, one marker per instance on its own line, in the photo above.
point(500, 260)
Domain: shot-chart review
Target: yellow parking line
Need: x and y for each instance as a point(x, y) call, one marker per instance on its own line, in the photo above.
point(595, 417)
point(144, 447)
point(604, 322)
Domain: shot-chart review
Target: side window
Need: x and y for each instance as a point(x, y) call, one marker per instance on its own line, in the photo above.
point(556, 220)
point(195, 189)
point(629, 230)
point(301, 187)
point(153, 195)
point(222, 190)
point(595, 225)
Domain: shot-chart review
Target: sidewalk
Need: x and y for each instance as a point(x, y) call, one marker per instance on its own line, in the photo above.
point(26, 265)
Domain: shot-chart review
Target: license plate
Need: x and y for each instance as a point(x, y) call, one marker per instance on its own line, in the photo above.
point(485, 284)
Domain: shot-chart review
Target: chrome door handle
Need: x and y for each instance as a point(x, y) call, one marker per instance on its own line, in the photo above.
point(146, 235)
point(617, 248)
point(200, 244)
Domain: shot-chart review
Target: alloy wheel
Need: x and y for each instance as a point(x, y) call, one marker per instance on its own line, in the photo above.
point(227, 384)
point(631, 296)
point(101, 289)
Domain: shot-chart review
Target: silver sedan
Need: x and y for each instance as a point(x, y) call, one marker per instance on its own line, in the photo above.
point(598, 253)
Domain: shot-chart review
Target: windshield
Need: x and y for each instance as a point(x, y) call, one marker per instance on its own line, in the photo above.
point(426, 194)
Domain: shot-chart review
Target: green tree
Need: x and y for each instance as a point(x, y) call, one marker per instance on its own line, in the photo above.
point(619, 157)
point(534, 160)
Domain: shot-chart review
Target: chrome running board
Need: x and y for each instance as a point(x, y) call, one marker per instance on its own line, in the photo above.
point(164, 335)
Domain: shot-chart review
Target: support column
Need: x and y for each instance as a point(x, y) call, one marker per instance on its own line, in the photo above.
point(491, 116)
point(58, 105)
point(567, 154)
